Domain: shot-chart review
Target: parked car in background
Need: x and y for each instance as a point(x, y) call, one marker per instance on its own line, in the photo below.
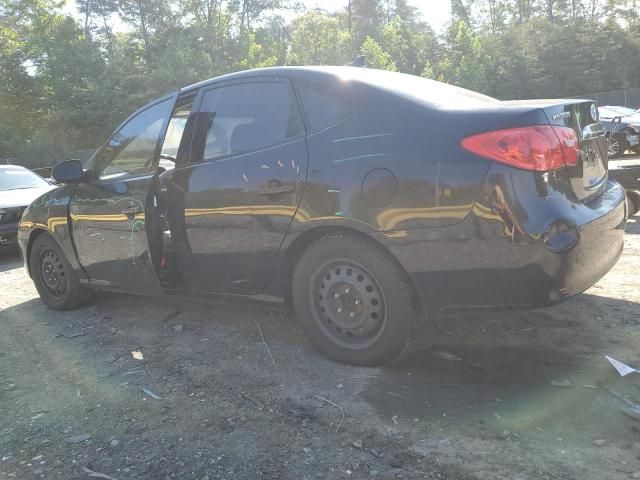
point(18, 188)
point(628, 175)
point(625, 137)
point(46, 173)
point(368, 198)
point(621, 136)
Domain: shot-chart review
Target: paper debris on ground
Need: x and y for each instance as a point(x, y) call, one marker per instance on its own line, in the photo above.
point(621, 368)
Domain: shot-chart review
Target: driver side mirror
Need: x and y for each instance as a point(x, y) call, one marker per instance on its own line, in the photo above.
point(69, 171)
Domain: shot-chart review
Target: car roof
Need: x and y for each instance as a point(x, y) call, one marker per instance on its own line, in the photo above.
point(310, 72)
point(395, 82)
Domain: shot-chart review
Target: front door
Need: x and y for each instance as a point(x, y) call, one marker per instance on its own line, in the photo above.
point(108, 213)
point(233, 201)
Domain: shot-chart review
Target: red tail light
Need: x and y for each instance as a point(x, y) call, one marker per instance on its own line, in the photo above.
point(539, 148)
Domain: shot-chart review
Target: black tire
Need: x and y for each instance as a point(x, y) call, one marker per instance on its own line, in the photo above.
point(54, 278)
point(353, 302)
point(633, 202)
point(617, 146)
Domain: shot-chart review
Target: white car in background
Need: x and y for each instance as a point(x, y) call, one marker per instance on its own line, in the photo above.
point(19, 187)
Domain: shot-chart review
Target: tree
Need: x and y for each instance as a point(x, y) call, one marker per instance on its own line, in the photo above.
point(67, 81)
point(317, 39)
point(376, 57)
point(466, 61)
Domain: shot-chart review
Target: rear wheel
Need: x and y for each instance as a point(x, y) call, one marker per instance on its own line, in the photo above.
point(354, 303)
point(53, 276)
point(616, 146)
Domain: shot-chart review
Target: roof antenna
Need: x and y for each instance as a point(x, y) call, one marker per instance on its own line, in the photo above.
point(358, 62)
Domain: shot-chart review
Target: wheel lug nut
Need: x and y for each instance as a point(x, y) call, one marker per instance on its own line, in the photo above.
point(336, 295)
point(347, 290)
point(352, 314)
point(339, 309)
point(357, 301)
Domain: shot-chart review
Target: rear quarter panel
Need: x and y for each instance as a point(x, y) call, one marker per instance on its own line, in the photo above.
point(392, 164)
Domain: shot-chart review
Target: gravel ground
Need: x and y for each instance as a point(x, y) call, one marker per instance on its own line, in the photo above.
point(161, 388)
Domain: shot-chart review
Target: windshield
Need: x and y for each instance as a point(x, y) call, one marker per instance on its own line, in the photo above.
point(15, 179)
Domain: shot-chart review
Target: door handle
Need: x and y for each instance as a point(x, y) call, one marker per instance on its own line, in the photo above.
point(132, 210)
point(277, 190)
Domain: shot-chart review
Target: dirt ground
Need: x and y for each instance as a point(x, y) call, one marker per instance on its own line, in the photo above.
point(474, 401)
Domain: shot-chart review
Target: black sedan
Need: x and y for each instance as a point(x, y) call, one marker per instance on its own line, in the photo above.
point(18, 188)
point(366, 198)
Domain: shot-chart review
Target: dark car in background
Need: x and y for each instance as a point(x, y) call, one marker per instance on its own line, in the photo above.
point(18, 188)
point(624, 134)
point(365, 198)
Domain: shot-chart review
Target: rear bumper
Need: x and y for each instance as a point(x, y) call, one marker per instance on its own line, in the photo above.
point(537, 256)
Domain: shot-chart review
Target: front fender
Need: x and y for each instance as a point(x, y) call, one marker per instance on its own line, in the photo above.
point(49, 213)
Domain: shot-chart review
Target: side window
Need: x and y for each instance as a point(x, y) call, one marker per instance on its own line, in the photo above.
point(131, 150)
point(246, 117)
point(323, 106)
point(175, 132)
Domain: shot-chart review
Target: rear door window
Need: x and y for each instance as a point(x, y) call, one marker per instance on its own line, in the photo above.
point(241, 118)
point(323, 105)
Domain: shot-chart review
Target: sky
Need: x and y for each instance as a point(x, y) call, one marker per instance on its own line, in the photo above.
point(436, 12)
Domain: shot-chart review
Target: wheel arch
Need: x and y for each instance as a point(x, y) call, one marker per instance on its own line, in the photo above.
point(303, 241)
point(35, 233)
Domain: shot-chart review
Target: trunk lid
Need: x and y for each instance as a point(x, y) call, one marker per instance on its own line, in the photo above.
point(589, 176)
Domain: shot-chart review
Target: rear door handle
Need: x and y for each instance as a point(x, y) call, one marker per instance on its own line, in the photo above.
point(276, 190)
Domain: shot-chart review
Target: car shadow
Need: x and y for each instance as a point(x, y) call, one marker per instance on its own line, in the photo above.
point(539, 373)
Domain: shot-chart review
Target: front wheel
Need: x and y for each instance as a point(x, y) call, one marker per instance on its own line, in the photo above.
point(353, 302)
point(617, 144)
point(53, 276)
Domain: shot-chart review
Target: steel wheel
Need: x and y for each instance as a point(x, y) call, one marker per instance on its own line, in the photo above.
point(614, 146)
point(348, 304)
point(53, 273)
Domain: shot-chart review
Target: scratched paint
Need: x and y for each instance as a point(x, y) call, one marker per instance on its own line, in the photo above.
point(363, 137)
point(359, 157)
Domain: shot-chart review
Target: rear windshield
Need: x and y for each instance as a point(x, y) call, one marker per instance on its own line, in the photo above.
point(419, 88)
point(16, 179)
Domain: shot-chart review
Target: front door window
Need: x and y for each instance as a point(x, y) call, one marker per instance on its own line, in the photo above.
point(131, 151)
